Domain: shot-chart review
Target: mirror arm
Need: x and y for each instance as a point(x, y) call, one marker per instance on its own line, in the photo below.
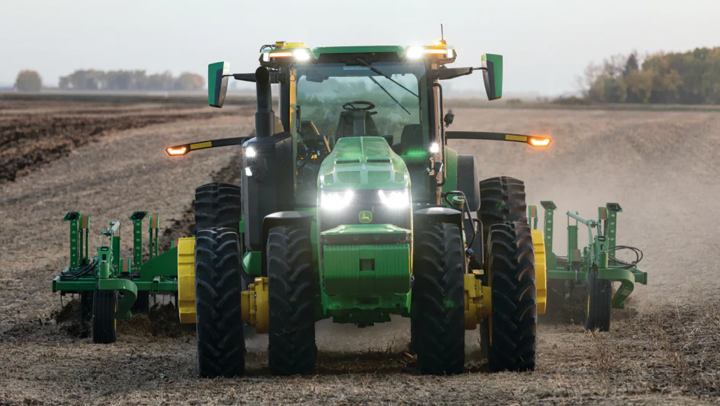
point(250, 77)
point(534, 141)
point(184, 149)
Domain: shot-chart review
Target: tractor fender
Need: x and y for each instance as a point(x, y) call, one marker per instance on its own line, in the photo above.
point(282, 218)
point(434, 215)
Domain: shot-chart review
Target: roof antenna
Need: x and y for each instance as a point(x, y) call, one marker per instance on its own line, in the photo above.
point(442, 35)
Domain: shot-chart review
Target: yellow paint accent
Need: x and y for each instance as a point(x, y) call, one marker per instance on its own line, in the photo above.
point(540, 270)
point(478, 301)
point(201, 145)
point(254, 306)
point(521, 138)
point(186, 279)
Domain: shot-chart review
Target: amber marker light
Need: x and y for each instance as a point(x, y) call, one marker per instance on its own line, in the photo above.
point(539, 142)
point(176, 151)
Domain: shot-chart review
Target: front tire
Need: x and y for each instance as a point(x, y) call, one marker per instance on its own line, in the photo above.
point(291, 287)
point(599, 303)
point(104, 324)
point(513, 324)
point(220, 338)
point(438, 306)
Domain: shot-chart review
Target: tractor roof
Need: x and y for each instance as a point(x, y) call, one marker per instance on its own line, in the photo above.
point(285, 52)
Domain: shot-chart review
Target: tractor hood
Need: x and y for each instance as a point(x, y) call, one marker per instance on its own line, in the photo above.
point(363, 163)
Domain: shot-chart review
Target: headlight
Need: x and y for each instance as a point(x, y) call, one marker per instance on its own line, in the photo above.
point(395, 199)
point(250, 152)
point(334, 201)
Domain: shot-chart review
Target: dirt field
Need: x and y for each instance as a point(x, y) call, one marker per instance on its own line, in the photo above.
point(661, 166)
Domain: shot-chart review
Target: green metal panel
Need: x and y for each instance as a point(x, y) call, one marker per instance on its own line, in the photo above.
point(252, 263)
point(347, 166)
point(386, 269)
point(341, 269)
point(400, 50)
point(164, 264)
point(129, 293)
point(392, 268)
point(451, 170)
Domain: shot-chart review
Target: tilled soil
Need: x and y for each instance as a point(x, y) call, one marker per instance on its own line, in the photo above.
point(29, 139)
point(659, 165)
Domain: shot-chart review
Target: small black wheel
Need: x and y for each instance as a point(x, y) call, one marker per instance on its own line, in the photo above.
point(292, 299)
point(104, 324)
point(142, 303)
point(599, 303)
point(513, 324)
point(86, 313)
point(438, 300)
point(220, 339)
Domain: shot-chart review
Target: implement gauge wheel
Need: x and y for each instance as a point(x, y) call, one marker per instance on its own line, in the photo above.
point(104, 324)
point(438, 307)
point(86, 313)
point(513, 324)
point(220, 338)
point(599, 301)
point(292, 298)
point(501, 199)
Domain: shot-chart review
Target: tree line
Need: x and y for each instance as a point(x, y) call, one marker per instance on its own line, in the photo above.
point(130, 80)
point(691, 77)
point(90, 79)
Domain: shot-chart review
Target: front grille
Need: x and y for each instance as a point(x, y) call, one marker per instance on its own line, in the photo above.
point(364, 200)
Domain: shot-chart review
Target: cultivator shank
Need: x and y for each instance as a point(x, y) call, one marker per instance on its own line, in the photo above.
point(107, 271)
point(596, 261)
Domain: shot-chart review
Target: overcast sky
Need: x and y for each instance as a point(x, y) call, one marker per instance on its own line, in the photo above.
point(546, 43)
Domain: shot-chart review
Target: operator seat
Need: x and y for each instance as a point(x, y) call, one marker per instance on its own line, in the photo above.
point(355, 124)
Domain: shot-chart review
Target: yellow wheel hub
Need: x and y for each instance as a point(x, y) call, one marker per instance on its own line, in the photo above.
point(186, 279)
point(540, 270)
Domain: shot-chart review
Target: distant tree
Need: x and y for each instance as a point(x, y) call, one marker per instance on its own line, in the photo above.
point(691, 77)
point(160, 81)
point(28, 81)
point(189, 81)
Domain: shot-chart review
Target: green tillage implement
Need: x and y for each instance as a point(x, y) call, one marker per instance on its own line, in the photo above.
point(592, 266)
point(108, 272)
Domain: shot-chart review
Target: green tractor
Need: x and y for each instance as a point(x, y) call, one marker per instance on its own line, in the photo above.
point(353, 208)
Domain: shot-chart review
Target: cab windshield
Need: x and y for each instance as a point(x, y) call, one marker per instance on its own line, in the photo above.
point(328, 96)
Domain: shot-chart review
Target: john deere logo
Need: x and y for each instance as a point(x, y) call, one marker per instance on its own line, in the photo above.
point(365, 216)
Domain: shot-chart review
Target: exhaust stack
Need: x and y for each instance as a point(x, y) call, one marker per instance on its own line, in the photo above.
point(264, 116)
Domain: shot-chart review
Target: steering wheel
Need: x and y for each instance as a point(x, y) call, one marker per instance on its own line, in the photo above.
point(354, 105)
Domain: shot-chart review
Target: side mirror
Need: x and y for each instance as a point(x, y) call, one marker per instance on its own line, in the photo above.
point(493, 75)
point(218, 75)
point(449, 118)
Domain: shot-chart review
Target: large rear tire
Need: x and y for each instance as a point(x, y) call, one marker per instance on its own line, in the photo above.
point(438, 300)
point(220, 339)
point(217, 205)
point(513, 325)
point(501, 199)
point(104, 324)
point(599, 303)
point(292, 299)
